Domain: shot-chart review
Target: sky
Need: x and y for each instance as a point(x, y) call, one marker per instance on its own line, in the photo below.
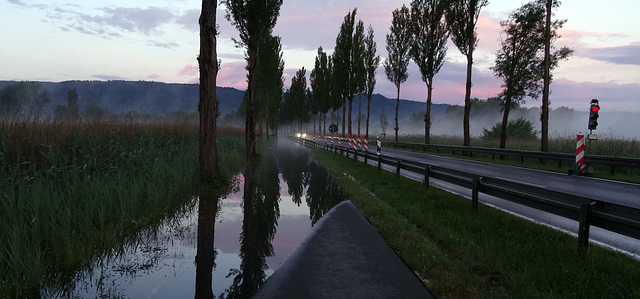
point(158, 40)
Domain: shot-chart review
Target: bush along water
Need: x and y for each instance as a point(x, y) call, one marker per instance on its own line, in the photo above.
point(70, 191)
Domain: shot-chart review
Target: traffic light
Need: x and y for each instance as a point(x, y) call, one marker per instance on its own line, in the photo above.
point(593, 114)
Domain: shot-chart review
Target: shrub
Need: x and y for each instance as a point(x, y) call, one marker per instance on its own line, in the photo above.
point(519, 128)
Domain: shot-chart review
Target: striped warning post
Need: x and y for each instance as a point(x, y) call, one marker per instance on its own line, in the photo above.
point(359, 143)
point(332, 140)
point(580, 153)
point(366, 143)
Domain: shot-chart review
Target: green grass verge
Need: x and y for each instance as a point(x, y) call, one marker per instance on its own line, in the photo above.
point(461, 253)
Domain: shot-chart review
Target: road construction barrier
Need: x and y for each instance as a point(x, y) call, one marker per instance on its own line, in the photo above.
point(580, 154)
point(366, 143)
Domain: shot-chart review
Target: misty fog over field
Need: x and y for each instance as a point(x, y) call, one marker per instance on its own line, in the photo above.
point(563, 123)
point(161, 99)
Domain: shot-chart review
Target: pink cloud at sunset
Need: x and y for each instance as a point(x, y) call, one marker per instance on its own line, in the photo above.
point(163, 40)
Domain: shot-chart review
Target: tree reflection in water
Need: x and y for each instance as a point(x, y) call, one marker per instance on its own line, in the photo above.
point(159, 262)
point(261, 208)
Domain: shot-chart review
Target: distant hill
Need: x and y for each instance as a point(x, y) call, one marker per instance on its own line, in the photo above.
point(161, 98)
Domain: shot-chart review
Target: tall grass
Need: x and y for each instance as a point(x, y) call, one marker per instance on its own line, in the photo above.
point(70, 191)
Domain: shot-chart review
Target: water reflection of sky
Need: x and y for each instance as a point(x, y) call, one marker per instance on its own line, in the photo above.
point(162, 265)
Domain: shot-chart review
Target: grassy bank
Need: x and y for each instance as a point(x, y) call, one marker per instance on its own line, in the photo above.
point(460, 253)
point(71, 191)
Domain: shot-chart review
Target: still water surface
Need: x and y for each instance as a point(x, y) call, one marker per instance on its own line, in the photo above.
point(221, 245)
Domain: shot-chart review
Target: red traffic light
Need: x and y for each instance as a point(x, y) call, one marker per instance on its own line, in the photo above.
point(595, 108)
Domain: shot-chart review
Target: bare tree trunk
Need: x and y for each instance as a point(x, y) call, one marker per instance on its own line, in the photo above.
point(359, 111)
point(368, 113)
point(505, 122)
point(344, 109)
point(427, 114)
point(208, 104)
point(249, 129)
point(544, 117)
point(397, 105)
point(467, 101)
point(205, 254)
point(350, 104)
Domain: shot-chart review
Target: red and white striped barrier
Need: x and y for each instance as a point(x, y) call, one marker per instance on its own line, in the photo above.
point(359, 143)
point(580, 153)
point(366, 143)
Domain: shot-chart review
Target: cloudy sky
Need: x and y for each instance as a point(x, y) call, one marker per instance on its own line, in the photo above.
point(158, 40)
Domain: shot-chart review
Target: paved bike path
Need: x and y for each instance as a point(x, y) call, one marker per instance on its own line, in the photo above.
point(343, 256)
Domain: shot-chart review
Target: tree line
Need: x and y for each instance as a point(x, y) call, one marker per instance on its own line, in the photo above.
point(419, 32)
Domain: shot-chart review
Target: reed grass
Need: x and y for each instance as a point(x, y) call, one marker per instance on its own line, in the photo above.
point(70, 191)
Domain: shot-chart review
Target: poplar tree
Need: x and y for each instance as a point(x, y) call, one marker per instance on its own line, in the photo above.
point(371, 62)
point(550, 62)
point(399, 42)
point(254, 20)
point(462, 17)
point(430, 34)
point(359, 71)
point(270, 82)
point(320, 78)
point(343, 66)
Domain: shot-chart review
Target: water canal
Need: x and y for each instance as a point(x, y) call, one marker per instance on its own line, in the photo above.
point(222, 245)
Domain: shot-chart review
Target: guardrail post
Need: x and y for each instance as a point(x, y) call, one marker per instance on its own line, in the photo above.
point(355, 155)
point(398, 167)
point(583, 227)
point(379, 162)
point(366, 155)
point(474, 193)
point(427, 174)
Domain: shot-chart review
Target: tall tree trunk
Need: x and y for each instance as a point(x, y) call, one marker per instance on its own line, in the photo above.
point(505, 122)
point(205, 254)
point(249, 129)
point(427, 114)
point(344, 110)
point(349, 116)
point(368, 112)
point(544, 117)
point(397, 105)
point(208, 104)
point(359, 111)
point(467, 100)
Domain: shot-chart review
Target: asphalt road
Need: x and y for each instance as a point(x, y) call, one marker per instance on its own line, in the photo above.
point(598, 189)
point(626, 194)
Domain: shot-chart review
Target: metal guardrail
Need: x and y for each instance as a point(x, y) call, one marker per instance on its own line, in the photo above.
point(587, 211)
point(560, 157)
